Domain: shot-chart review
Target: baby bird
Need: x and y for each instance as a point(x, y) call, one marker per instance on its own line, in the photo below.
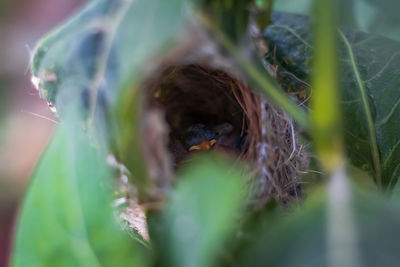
point(199, 137)
point(222, 137)
point(228, 140)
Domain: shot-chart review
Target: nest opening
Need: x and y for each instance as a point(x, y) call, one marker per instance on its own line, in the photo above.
point(198, 94)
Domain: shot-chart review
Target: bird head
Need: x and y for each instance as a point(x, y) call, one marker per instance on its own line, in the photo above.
point(199, 137)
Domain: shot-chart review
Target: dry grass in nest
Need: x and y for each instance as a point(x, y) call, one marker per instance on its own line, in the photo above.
point(181, 95)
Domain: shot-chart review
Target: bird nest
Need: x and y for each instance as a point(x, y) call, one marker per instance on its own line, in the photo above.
point(197, 91)
point(195, 88)
point(257, 133)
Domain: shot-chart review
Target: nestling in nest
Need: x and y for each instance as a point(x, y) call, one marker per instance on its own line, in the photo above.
point(205, 108)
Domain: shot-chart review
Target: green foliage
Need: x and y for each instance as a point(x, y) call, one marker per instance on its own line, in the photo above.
point(91, 69)
point(230, 16)
point(325, 108)
point(371, 16)
point(201, 213)
point(369, 90)
point(263, 16)
point(300, 238)
point(67, 218)
point(125, 133)
point(300, 235)
point(98, 51)
point(294, 6)
point(98, 44)
point(375, 16)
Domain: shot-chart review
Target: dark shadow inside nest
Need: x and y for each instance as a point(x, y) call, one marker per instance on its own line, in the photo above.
point(199, 100)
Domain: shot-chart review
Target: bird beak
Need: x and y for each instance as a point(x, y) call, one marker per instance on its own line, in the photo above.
point(204, 145)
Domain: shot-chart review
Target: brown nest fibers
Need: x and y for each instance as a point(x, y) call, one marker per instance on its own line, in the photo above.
point(181, 96)
point(197, 91)
point(195, 88)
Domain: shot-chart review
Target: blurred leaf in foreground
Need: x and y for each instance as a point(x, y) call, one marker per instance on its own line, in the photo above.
point(201, 213)
point(231, 16)
point(105, 47)
point(66, 218)
point(263, 14)
point(97, 51)
point(106, 37)
point(300, 238)
point(326, 118)
point(325, 103)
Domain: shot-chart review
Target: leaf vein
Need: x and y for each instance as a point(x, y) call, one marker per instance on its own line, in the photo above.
point(370, 122)
point(293, 33)
point(391, 153)
point(383, 68)
point(387, 117)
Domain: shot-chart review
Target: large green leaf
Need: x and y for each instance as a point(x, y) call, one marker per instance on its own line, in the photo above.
point(66, 218)
point(109, 42)
point(201, 213)
point(302, 238)
point(232, 17)
point(369, 80)
point(106, 47)
point(372, 16)
point(376, 16)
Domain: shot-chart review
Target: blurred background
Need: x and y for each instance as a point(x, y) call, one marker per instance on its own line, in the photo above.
point(24, 129)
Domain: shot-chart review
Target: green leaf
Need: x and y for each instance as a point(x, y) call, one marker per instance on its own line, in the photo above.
point(263, 13)
point(369, 82)
point(327, 134)
point(92, 55)
point(66, 218)
point(371, 16)
point(126, 134)
point(325, 104)
point(294, 240)
point(201, 213)
point(301, 238)
point(231, 16)
point(99, 53)
point(294, 6)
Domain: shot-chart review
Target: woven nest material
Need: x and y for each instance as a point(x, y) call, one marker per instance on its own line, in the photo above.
point(196, 84)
